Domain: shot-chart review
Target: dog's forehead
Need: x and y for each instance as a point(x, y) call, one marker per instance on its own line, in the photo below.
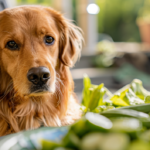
point(25, 18)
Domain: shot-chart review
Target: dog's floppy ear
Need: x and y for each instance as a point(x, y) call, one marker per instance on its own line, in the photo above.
point(70, 43)
point(71, 39)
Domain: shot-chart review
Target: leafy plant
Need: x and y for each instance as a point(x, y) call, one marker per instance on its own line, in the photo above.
point(117, 121)
point(131, 94)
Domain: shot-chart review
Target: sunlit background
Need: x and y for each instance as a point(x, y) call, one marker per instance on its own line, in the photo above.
point(117, 39)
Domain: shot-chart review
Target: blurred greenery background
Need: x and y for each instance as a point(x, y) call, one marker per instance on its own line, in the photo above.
point(116, 18)
point(42, 2)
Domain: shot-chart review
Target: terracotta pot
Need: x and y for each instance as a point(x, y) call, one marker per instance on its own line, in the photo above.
point(144, 28)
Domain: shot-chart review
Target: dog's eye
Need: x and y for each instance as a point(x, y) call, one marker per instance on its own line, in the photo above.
point(49, 40)
point(12, 45)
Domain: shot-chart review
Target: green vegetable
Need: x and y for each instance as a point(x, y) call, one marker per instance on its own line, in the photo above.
point(145, 136)
point(86, 91)
point(132, 98)
point(131, 94)
point(71, 140)
point(96, 121)
point(62, 148)
point(103, 108)
point(139, 145)
point(96, 95)
point(147, 99)
point(138, 89)
point(49, 144)
point(142, 108)
point(127, 125)
point(92, 141)
point(124, 113)
point(114, 141)
point(80, 128)
point(118, 121)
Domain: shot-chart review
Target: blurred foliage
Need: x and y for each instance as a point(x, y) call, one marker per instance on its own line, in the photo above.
point(106, 52)
point(120, 121)
point(74, 8)
point(117, 18)
point(42, 2)
point(144, 12)
point(127, 72)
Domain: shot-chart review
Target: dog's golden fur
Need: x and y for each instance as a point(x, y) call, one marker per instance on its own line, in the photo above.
point(27, 26)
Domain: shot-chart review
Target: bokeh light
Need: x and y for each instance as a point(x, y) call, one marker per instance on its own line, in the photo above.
point(93, 9)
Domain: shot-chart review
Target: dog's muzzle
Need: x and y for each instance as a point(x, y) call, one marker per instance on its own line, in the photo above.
point(39, 77)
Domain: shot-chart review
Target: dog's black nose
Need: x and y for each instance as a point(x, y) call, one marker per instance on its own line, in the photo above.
point(38, 75)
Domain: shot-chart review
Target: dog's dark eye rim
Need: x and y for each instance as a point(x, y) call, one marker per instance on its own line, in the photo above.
point(49, 40)
point(12, 45)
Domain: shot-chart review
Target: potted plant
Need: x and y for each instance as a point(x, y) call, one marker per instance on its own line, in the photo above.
point(143, 22)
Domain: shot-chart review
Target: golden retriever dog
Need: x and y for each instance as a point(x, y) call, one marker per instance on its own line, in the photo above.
point(37, 47)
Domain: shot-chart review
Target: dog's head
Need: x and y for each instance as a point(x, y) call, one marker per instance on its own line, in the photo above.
point(34, 41)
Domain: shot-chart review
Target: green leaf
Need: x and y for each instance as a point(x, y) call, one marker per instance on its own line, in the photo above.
point(124, 113)
point(139, 145)
point(117, 101)
point(147, 99)
point(114, 141)
point(127, 96)
point(132, 98)
point(138, 89)
point(71, 140)
point(86, 92)
point(96, 97)
point(145, 136)
point(46, 144)
point(92, 141)
point(124, 124)
point(120, 99)
point(97, 122)
point(142, 108)
point(102, 108)
point(79, 127)
point(102, 93)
